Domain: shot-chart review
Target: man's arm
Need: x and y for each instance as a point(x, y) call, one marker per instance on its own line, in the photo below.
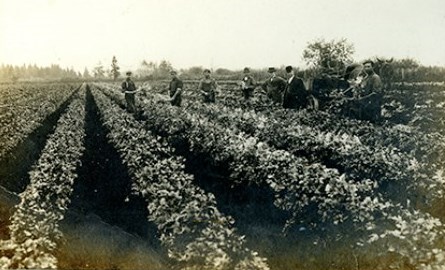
point(178, 91)
point(376, 88)
point(281, 84)
point(264, 85)
point(214, 86)
point(252, 82)
point(200, 89)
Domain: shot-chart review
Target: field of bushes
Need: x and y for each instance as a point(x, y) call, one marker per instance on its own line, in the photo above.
point(232, 185)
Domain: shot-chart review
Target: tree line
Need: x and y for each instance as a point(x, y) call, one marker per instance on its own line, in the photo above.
point(321, 57)
point(35, 73)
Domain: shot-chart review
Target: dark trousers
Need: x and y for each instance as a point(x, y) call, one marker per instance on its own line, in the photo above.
point(294, 102)
point(131, 102)
point(247, 93)
point(365, 110)
point(210, 97)
point(177, 101)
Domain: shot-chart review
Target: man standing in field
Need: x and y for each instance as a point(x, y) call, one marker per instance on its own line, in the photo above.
point(129, 88)
point(207, 87)
point(175, 89)
point(247, 84)
point(274, 86)
point(295, 96)
point(369, 94)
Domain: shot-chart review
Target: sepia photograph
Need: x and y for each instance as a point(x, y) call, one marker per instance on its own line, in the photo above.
point(222, 135)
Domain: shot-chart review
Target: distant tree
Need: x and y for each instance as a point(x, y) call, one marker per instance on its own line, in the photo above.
point(144, 70)
point(223, 71)
point(86, 73)
point(98, 71)
point(193, 72)
point(114, 68)
point(328, 56)
point(150, 66)
point(405, 68)
point(164, 69)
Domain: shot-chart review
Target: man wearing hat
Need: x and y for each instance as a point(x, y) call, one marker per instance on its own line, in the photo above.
point(129, 88)
point(370, 94)
point(295, 95)
point(247, 84)
point(274, 86)
point(207, 87)
point(175, 89)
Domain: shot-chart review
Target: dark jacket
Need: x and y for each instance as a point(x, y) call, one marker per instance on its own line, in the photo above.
point(249, 82)
point(372, 84)
point(128, 86)
point(208, 86)
point(275, 87)
point(295, 95)
point(175, 85)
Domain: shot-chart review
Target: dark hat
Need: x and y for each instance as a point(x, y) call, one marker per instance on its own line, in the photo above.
point(128, 73)
point(289, 69)
point(246, 70)
point(207, 70)
point(271, 69)
point(368, 62)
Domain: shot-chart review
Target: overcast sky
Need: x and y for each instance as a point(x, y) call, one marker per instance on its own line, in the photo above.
point(214, 33)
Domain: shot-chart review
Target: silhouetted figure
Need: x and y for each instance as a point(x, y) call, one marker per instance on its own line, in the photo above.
point(274, 86)
point(295, 95)
point(175, 89)
point(207, 87)
point(247, 84)
point(129, 88)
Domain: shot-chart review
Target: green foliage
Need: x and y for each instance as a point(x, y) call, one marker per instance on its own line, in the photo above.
point(24, 107)
point(10, 73)
point(34, 229)
point(196, 234)
point(391, 174)
point(153, 70)
point(328, 56)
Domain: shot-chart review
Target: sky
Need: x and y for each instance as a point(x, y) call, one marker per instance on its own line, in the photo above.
point(214, 33)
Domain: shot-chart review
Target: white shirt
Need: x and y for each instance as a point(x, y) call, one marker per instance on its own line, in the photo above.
point(290, 79)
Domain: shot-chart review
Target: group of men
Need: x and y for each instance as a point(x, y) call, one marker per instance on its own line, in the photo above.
point(365, 102)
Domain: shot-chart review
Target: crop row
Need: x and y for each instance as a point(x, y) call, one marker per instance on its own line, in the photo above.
point(34, 229)
point(337, 150)
point(19, 121)
point(411, 234)
point(194, 231)
point(419, 155)
point(298, 184)
point(394, 155)
point(16, 94)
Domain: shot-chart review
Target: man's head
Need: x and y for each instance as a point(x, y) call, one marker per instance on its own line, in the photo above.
point(128, 73)
point(246, 70)
point(173, 74)
point(368, 66)
point(206, 73)
point(289, 71)
point(272, 70)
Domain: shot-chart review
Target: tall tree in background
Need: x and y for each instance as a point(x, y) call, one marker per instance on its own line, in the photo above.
point(328, 56)
point(86, 73)
point(98, 71)
point(114, 68)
